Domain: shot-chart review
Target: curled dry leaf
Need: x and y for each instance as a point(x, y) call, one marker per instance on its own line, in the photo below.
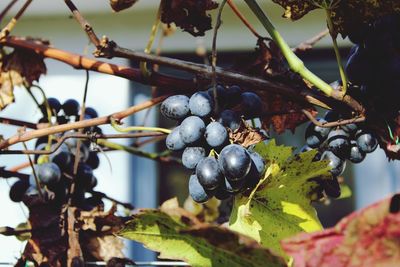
point(119, 5)
point(369, 237)
point(21, 67)
point(190, 15)
point(247, 136)
point(347, 16)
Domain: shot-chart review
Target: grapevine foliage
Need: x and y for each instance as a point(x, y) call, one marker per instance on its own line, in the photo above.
point(347, 16)
point(370, 236)
point(281, 204)
point(178, 234)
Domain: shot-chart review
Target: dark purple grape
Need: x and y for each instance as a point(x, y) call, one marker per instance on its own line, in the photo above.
point(234, 186)
point(209, 173)
point(230, 119)
point(48, 173)
point(356, 154)
point(252, 105)
point(191, 156)
point(91, 112)
point(339, 143)
point(71, 107)
point(234, 162)
point(62, 157)
point(221, 193)
point(338, 165)
point(221, 95)
point(54, 104)
point(175, 107)
point(18, 189)
point(192, 130)
point(216, 135)
point(174, 141)
point(201, 104)
point(332, 187)
point(233, 96)
point(359, 68)
point(196, 190)
point(84, 175)
point(331, 116)
point(93, 160)
point(366, 141)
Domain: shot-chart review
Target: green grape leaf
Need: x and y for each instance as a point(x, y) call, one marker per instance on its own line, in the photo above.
point(280, 205)
point(347, 16)
point(178, 235)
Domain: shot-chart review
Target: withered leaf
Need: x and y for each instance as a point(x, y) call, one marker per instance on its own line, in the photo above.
point(190, 15)
point(369, 237)
point(284, 114)
point(119, 5)
point(21, 67)
point(347, 15)
point(247, 136)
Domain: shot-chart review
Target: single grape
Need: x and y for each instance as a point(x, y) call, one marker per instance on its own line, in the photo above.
point(216, 134)
point(356, 154)
point(332, 187)
point(338, 165)
point(84, 175)
point(48, 173)
point(221, 95)
point(201, 104)
point(256, 169)
point(366, 141)
point(235, 162)
point(252, 105)
point(175, 107)
point(192, 129)
point(230, 119)
point(358, 68)
point(62, 157)
point(18, 189)
point(174, 141)
point(196, 190)
point(54, 104)
point(93, 160)
point(316, 135)
point(71, 107)
point(339, 143)
point(191, 156)
point(91, 112)
point(233, 95)
point(209, 173)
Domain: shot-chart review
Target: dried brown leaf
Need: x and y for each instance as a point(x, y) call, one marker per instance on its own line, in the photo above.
point(247, 136)
point(119, 5)
point(190, 15)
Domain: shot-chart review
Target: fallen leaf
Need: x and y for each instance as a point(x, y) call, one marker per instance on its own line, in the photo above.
point(369, 237)
point(190, 15)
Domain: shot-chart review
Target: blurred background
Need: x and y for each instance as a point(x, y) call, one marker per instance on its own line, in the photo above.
point(143, 182)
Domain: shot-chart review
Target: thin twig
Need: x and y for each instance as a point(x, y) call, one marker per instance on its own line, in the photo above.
point(87, 136)
point(19, 123)
point(13, 174)
point(128, 206)
point(308, 44)
point(243, 19)
point(214, 54)
point(11, 24)
point(29, 135)
point(39, 189)
point(84, 24)
point(332, 124)
point(6, 9)
point(9, 231)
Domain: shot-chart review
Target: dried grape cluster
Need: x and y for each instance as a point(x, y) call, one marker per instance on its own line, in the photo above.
point(54, 173)
point(347, 142)
point(220, 169)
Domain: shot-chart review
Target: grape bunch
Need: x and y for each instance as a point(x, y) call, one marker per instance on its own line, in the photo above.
point(219, 168)
point(347, 142)
point(374, 63)
point(53, 174)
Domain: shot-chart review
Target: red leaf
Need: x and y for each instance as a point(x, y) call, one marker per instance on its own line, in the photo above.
point(370, 237)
